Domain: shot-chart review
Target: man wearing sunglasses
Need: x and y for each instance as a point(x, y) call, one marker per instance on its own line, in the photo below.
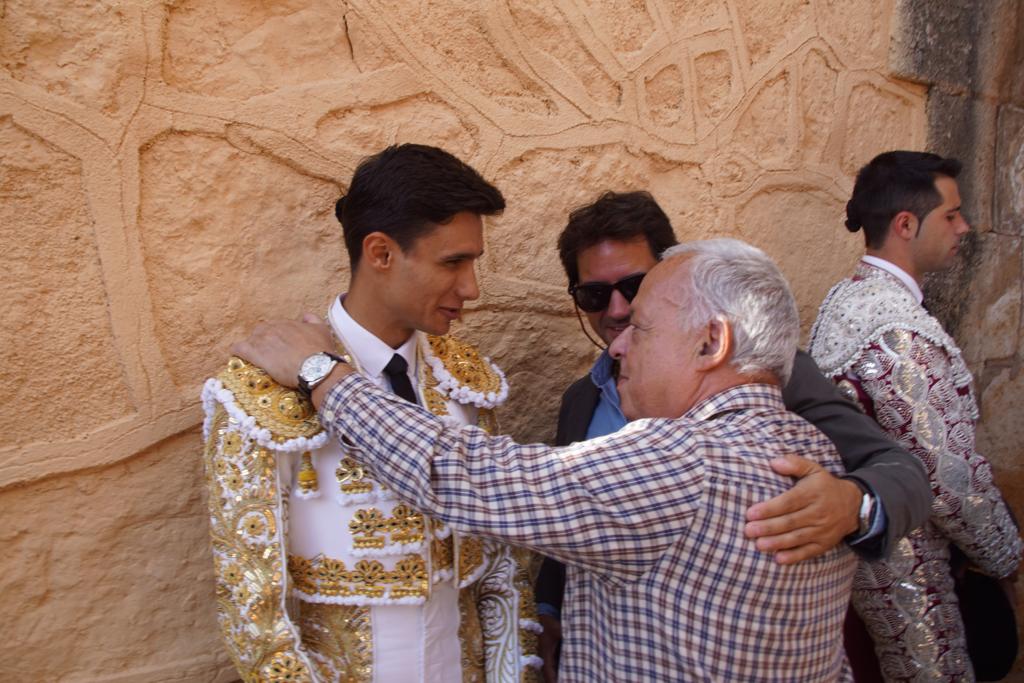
point(606, 249)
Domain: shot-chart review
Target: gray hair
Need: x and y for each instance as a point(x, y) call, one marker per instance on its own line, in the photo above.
point(739, 283)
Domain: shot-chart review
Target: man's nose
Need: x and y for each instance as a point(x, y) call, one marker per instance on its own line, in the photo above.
point(620, 346)
point(618, 307)
point(964, 227)
point(467, 288)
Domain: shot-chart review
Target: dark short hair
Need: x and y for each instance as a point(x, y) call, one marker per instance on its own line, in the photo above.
point(893, 182)
point(406, 191)
point(619, 216)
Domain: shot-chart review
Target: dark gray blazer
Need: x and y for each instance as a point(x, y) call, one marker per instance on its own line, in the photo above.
point(868, 454)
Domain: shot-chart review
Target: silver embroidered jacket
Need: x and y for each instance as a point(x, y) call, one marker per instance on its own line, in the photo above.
point(885, 351)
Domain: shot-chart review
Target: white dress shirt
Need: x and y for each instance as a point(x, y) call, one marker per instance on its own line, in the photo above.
point(370, 353)
point(897, 272)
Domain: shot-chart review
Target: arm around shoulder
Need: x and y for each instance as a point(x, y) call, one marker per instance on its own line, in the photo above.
point(565, 503)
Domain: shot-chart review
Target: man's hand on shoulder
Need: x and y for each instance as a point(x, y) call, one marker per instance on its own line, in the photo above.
point(808, 520)
point(280, 346)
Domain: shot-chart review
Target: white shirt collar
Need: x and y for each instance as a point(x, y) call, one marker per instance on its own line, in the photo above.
point(897, 272)
point(371, 353)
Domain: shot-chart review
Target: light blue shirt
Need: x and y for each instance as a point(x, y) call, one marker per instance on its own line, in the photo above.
point(608, 415)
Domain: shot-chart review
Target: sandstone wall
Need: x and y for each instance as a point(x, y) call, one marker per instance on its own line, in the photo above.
point(168, 170)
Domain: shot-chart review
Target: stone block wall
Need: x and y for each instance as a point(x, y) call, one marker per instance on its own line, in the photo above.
point(167, 175)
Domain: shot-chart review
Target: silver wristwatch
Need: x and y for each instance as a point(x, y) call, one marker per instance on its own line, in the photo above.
point(315, 369)
point(866, 512)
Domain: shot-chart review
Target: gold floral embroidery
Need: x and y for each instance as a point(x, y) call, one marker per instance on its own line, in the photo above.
point(369, 577)
point(442, 553)
point(465, 364)
point(527, 641)
point(231, 573)
point(406, 525)
point(341, 639)
point(284, 668)
point(281, 410)
point(332, 577)
point(471, 557)
point(471, 637)
point(232, 478)
point(329, 577)
point(365, 526)
point(370, 529)
point(232, 443)
point(241, 594)
point(435, 401)
point(352, 477)
point(527, 566)
point(247, 556)
point(301, 571)
point(410, 578)
point(253, 525)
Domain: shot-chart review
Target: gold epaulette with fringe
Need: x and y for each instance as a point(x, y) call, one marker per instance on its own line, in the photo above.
point(464, 375)
point(284, 412)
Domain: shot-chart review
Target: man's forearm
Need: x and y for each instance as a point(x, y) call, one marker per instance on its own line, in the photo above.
point(522, 494)
point(410, 450)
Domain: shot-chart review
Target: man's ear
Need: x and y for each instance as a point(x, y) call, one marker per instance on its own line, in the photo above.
point(904, 226)
point(716, 344)
point(379, 251)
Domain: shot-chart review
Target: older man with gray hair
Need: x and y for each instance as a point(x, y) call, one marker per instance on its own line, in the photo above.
point(650, 519)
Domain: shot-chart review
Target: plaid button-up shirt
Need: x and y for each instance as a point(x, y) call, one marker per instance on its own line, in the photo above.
point(662, 584)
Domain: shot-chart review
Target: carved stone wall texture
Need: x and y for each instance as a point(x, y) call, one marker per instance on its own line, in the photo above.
point(168, 171)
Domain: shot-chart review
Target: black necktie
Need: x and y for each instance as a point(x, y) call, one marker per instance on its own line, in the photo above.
point(400, 384)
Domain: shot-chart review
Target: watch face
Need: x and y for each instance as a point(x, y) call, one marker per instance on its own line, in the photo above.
point(316, 366)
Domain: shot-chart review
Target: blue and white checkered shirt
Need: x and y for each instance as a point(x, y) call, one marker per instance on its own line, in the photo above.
point(662, 584)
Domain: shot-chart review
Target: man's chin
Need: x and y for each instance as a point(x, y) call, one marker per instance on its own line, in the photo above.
point(438, 328)
point(626, 406)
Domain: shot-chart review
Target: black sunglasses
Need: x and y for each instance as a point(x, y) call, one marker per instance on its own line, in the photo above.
point(594, 296)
